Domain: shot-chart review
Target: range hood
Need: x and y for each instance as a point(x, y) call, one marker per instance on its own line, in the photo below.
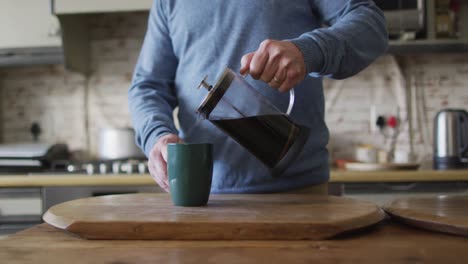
point(64, 7)
point(31, 56)
point(30, 33)
point(72, 15)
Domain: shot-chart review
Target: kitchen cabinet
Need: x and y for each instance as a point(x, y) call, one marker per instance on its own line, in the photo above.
point(99, 6)
point(30, 33)
point(432, 44)
point(28, 24)
point(20, 208)
point(73, 15)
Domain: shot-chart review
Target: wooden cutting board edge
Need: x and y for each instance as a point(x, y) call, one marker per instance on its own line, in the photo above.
point(58, 222)
point(230, 231)
point(433, 222)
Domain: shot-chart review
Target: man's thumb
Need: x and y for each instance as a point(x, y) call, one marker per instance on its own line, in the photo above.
point(174, 139)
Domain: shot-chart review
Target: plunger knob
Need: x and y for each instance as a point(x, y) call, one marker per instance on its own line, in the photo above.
point(205, 84)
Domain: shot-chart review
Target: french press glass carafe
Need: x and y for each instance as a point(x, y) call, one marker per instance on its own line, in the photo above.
point(249, 118)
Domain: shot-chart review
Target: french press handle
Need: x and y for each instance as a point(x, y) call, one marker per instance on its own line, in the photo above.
point(291, 101)
point(291, 98)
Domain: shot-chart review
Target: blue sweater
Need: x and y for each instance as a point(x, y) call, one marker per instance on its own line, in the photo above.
point(188, 39)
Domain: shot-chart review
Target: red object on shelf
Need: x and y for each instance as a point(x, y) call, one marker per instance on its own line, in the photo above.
point(392, 122)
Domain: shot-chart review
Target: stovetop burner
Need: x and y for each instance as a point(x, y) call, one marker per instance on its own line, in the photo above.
point(106, 167)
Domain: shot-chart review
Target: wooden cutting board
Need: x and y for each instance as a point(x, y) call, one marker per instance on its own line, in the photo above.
point(226, 217)
point(445, 213)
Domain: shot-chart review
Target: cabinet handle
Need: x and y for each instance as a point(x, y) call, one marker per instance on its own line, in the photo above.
point(54, 31)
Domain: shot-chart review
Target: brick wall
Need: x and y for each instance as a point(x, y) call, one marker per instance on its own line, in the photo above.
point(71, 108)
point(47, 95)
point(423, 84)
point(115, 44)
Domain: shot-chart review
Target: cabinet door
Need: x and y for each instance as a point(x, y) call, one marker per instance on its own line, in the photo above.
point(28, 24)
point(99, 6)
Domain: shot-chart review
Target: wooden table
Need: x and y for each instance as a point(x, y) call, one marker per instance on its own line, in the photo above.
point(385, 243)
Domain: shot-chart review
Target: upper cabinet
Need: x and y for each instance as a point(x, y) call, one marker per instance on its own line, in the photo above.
point(424, 26)
point(30, 33)
point(28, 24)
point(73, 15)
point(98, 6)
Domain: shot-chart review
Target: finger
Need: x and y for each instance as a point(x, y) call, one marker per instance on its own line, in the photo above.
point(161, 170)
point(245, 63)
point(271, 68)
point(154, 175)
point(291, 80)
point(257, 65)
point(163, 150)
point(279, 78)
point(164, 153)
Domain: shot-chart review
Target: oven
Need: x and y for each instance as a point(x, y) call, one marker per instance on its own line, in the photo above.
point(20, 208)
point(55, 195)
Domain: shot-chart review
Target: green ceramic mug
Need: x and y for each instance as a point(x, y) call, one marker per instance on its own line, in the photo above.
point(190, 170)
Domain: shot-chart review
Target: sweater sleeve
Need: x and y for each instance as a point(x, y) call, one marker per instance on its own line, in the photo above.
point(152, 94)
point(356, 35)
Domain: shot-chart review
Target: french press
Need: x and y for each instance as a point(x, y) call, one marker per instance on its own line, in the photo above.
point(244, 114)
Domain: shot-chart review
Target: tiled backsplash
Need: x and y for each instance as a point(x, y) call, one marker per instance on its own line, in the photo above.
point(72, 108)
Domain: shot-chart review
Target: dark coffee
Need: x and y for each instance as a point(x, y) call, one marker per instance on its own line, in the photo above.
point(268, 137)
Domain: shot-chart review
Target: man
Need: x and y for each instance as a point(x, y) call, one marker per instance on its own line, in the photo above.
point(281, 43)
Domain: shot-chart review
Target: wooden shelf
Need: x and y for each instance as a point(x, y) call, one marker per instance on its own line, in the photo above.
point(428, 46)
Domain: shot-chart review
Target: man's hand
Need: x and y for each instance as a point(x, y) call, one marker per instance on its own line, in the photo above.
point(278, 63)
point(157, 163)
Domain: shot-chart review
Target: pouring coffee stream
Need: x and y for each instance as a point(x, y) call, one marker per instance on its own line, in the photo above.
point(240, 111)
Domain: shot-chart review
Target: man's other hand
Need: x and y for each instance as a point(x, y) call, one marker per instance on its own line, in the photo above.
point(278, 63)
point(157, 163)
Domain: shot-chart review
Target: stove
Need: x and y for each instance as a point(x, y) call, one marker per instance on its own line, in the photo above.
point(47, 159)
point(30, 157)
point(103, 167)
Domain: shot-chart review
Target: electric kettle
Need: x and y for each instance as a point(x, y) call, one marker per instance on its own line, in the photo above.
point(451, 139)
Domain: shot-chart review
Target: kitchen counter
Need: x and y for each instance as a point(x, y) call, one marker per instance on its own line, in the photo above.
point(136, 179)
point(385, 243)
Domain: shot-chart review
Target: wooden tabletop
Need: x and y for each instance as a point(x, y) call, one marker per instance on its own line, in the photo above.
point(384, 243)
point(137, 179)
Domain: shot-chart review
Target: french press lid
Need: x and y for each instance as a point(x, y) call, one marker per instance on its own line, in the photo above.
point(215, 93)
